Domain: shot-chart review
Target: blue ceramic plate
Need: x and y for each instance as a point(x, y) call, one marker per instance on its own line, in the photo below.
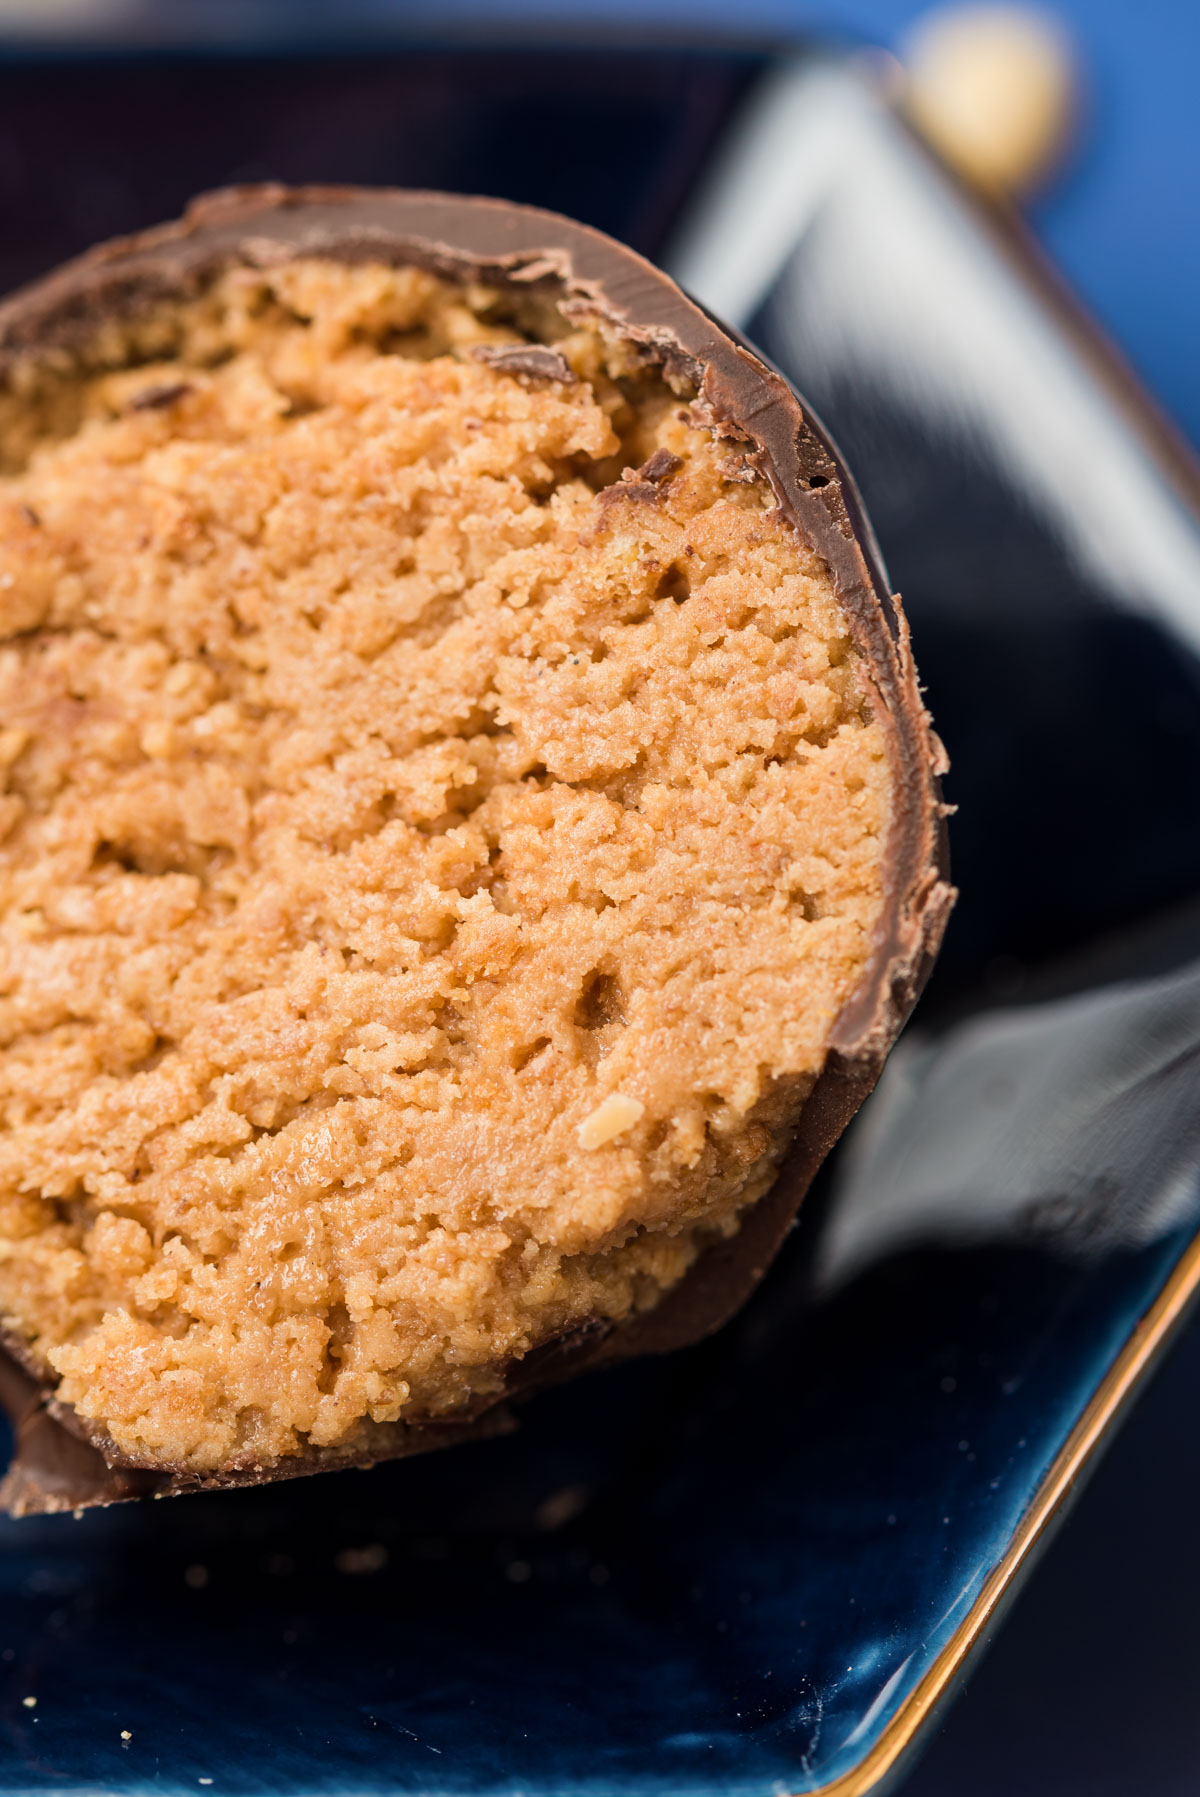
point(752, 1568)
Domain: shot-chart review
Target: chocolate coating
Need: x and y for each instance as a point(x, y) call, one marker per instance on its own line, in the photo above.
point(533, 361)
point(60, 1462)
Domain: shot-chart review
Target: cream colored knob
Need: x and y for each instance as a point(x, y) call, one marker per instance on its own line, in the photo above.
point(994, 89)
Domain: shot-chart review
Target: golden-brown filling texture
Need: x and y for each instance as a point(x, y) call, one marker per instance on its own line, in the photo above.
point(430, 865)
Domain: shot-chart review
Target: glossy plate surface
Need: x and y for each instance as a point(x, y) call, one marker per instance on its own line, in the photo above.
point(751, 1568)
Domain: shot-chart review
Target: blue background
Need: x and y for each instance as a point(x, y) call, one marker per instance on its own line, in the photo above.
point(1124, 223)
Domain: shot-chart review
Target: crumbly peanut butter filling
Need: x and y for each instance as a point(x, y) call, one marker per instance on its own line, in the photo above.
point(431, 864)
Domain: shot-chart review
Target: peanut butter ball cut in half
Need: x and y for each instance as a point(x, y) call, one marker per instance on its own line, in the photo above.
point(469, 835)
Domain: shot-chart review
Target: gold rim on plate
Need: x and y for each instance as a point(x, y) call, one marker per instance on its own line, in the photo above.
point(1149, 1336)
